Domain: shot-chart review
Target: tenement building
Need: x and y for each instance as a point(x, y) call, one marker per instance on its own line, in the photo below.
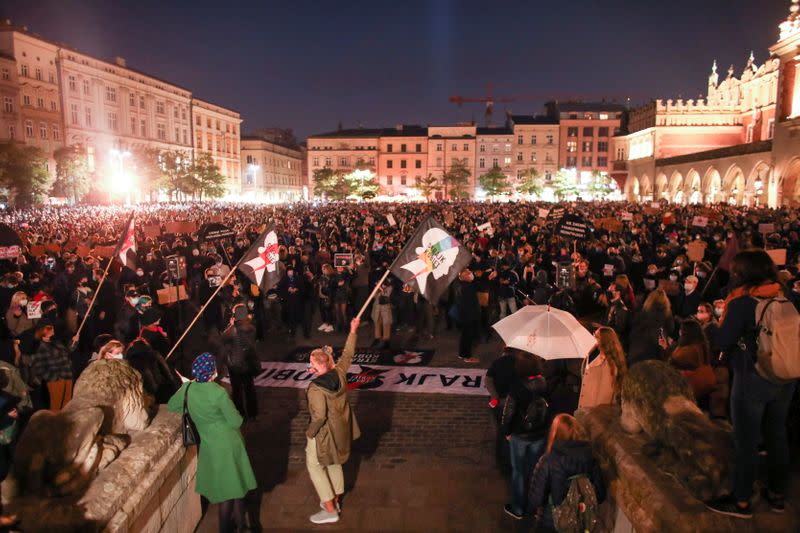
point(66, 97)
point(535, 145)
point(271, 172)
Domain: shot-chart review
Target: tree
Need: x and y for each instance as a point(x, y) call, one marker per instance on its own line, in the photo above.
point(456, 180)
point(23, 171)
point(428, 185)
point(531, 183)
point(205, 178)
point(72, 172)
point(361, 183)
point(565, 185)
point(495, 182)
point(145, 164)
point(175, 179)
point(600, 186)
point(331, 183)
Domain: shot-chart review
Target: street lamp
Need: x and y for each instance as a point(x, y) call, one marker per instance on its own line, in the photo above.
point(120, 181)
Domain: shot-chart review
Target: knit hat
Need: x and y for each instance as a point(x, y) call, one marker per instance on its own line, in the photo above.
point(203, 367)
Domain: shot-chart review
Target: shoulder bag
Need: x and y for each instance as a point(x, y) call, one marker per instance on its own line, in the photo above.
point(191, 437)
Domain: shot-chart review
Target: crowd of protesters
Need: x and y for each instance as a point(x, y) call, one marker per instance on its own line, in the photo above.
point(638, 277)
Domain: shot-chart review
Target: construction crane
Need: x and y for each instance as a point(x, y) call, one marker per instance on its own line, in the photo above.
point(488, 100)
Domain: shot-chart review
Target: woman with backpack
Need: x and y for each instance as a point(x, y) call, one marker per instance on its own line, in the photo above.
point(239, 341)
point(524, 424)
point(566, 485)
point(759, 401)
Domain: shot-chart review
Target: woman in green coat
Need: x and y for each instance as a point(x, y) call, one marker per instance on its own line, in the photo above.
point(224, 474)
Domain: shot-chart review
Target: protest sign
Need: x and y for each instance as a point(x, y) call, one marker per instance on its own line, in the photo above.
point(9, 252)
point(766, 228)
point(696, 251)
point(343, 260)
point(104, 251)
point(182, 226)
point(572, 227)
point(778, 256)
point(609, 224)
point(700, 222)
point(608, 271)
point(556, 213)
point(626, 217)
point(487, 227)
point(53, 247)
point(543, 212)
point(37, 250)
point(370, 356)
point(390, 219)
point(170, 294)
point(34, 310)
point(83, 251)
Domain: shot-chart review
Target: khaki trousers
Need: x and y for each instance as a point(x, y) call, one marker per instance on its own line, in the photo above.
point(60, 393)
point(328, 480)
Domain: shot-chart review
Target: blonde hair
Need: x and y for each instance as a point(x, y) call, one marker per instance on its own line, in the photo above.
point(623, 281)
point(609, 345)
point(108, 347)
point(564, 427)
point(18, 296)
point(323, 356)
point(657, 301)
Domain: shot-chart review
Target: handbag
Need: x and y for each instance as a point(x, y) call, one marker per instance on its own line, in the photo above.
point(191, 437)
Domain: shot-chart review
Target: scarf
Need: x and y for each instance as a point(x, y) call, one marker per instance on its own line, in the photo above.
point(767, 290)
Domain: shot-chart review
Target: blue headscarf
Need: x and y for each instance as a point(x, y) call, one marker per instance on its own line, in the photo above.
point(203, 367)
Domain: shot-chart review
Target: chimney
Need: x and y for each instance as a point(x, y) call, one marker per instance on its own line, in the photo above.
point(120, 61)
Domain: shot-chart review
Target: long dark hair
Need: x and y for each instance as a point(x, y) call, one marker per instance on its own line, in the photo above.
point(753, 267)
point(691, 333)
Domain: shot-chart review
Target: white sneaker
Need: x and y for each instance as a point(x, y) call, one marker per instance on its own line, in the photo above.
point(324, 517)
point(322, 327)
point(328, 329)
point(338, 506)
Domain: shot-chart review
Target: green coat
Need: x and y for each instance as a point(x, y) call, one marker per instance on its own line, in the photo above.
point(333, 423)
point(223, 467)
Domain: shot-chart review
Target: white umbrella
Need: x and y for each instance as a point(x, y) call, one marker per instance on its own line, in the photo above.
point(547, 332)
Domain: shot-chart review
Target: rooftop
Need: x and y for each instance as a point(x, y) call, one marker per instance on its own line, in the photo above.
point(588, 106)
point(532, 119)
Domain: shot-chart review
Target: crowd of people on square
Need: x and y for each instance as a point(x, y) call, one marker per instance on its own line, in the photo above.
point(637, 287)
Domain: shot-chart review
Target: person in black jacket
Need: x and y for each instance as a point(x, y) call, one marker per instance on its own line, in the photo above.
point(524, 424)
point(239, 342)
point(468, 315)
point(158, 379)
point(567, 454)
point(758, 406)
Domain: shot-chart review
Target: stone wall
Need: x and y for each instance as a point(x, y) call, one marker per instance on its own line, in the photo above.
point(148, 488)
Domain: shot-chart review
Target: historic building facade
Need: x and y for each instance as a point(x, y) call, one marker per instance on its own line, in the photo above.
point(535, 145)
point(402, 159)
point(494, 151)
point(271, 172)
point(216, 132)
point(585, 135)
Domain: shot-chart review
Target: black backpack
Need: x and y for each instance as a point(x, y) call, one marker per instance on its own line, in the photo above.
point(536, 415)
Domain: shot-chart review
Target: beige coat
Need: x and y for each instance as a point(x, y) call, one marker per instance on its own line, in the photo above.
point(333, 423)
point(598, 384)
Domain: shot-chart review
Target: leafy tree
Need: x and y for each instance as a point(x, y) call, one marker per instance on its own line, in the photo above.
point(565, 185)
point(145, 164)
point(456, 180)
point(72, 172)
point(600, 186)
point(205, 178)
point(361, 183)
point(23, 171)
point(331, 183)
point(176, 179)
point(531, 182)
point(428, 185)
point(495, 182)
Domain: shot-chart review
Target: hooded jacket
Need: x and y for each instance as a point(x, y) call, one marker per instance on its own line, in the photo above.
point(333, 423)
point(523, 392)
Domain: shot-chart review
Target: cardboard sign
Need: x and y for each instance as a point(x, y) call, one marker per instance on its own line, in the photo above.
point(152, 231)
point(778, 256)
point(83, 251)
point(766, 228)
point(626, 217)
point(9, 252)
point(487, 227)
point(343, 260)
point(700, 222)
point(183, 226)
point(104, 251)
point(170, 295)
point(696, 251)
point(53, 247)
point(608, 271)
point(34, 310)
point(37, 250)
point(543, 212)
point(609, 224)
point(390, 219)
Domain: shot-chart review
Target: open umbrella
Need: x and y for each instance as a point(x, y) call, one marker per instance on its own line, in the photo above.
point(10, 243)
point(547, 332)
point(214, 231)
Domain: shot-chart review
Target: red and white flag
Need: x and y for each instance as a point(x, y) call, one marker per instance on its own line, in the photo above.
point(260, 263)
point(126, 249)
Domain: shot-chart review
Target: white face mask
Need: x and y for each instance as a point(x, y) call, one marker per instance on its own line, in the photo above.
point(717, 312)
point(688, 287)
point(23, 303)
point(117, 356)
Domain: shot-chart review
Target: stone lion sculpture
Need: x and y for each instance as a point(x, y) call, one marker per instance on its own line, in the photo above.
point(685, 443)
point(59, 453)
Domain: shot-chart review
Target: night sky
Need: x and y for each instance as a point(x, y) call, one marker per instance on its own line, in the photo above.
point(310, 65)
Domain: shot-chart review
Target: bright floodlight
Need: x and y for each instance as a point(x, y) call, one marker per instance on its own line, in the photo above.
point(120, 179)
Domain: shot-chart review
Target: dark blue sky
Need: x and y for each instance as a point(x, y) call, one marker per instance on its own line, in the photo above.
point(310, 64)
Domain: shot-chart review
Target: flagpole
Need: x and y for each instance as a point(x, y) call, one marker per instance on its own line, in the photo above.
point(77, 335)
point(200, 312)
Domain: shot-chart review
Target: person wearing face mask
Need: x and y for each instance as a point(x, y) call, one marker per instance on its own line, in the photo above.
point(17, 320)
point(467, 315)
point(51, 364)
point(125, 316)
point(291, 292)
point(332, 427)
point(113, 349)
point(689, 298)
point(224, 472)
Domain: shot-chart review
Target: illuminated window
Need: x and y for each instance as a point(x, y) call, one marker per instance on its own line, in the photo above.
point(572, 146)
point(507, 161)
point(587, 146)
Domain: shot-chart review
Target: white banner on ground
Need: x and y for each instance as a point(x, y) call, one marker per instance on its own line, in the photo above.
point(430, 380)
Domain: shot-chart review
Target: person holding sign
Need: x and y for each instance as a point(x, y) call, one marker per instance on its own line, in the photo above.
point(332, 428)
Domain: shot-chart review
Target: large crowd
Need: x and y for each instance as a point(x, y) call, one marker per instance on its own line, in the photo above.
point(641, 284)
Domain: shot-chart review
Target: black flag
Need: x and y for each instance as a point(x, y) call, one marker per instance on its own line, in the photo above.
point(260, 263)
point(431, 260)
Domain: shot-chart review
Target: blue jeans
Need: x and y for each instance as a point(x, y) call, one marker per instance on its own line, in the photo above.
point(524, 456)
point(756, 405)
